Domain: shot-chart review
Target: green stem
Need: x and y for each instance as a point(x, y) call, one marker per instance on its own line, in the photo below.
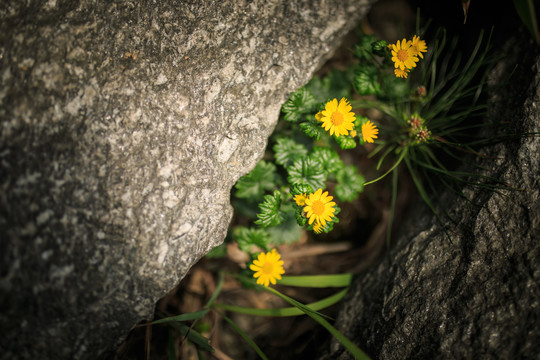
point(282, 312)
point(401, 157)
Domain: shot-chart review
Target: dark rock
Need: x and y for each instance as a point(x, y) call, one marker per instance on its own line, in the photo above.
point(124, 126)
point(478, 295)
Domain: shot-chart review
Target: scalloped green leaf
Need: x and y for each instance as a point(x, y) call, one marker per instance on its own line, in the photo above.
point(287, 151)
point(247, 237)
point(300, 102)
point(254, 184)
point(345, 142)
point(301, 188)
point(288, 231)
point(270, 214)
point(362, 49)
point(350, 183)
point(329, 159)
point(366, 81)
point(307, 171)
point(313, 129)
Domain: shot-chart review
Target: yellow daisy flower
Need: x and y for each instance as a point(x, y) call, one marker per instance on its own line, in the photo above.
point(317, 227)
point(401, 73)
point(418, 46)
point(268, 268)
point(369, 131)
point(402, 55)
point(353, 133)
point(300, 199)
point(338, 118)
point(318, 116)
point(319, 207)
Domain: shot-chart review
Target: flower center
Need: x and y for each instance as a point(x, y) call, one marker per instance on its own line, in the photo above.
point(402, 55)
point(337, 118)
point(267, 268)
point(317, 207)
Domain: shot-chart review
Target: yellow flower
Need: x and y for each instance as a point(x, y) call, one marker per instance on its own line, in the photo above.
point(401, 73)
point(300, 199)
point(353, 133)
point(317, 227)
point(369, 131)
point(402, 55)
point(338, 118)
point(319, 207)
point(318, 116)
point(268, 268)
point(418, 46)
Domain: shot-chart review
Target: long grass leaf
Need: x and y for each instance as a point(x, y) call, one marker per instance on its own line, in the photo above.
point(244, 336)
point(317, 281)
point(349, 345)
point(282, 312)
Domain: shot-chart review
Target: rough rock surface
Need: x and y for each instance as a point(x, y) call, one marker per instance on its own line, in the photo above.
point(477, 297)
point(123, 126)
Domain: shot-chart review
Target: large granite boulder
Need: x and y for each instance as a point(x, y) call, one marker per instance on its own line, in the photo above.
point(123, 127)
point(476, 296)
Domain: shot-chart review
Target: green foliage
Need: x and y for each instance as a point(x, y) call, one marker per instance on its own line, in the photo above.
point(287, 151)
point(366, 81)
point(270, 214)
point(379, 48)
point(350, 183)
point(246, 238)
point(337, 84)
point(328, 158)
point(307, 171)
point(300, 102)
point(288, 231)
point(301, 188)
point(313, 129)
point(345, 142)
point(363, 49)
point(261, 179)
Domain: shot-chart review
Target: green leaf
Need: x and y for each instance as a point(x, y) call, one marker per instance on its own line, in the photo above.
point(289, 311)
point(329, 159)
point(313, 129)
point(300, 102)
point(301, 220)
point(247, 237)
point(245, 336)
point(317, 281)
point(349, 345)
point(362, 50)
point(527, 13)
point(366, 82)
point(350, 184)
point(393, 87)
point(253, 185)
point(337, 84)
point(307, 171)
point(217, 252)
point(379, 48)
point(345, 142)
point(301, 188)
point(287, 151)
point(183, 317)
point(270, 214)
point(288, 231)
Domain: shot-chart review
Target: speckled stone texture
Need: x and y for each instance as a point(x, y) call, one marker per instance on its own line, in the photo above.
point(477, 297)
point(123, 127)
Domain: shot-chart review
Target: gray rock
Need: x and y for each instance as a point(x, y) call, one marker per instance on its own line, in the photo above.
point(478, 296)
point(124, 126)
